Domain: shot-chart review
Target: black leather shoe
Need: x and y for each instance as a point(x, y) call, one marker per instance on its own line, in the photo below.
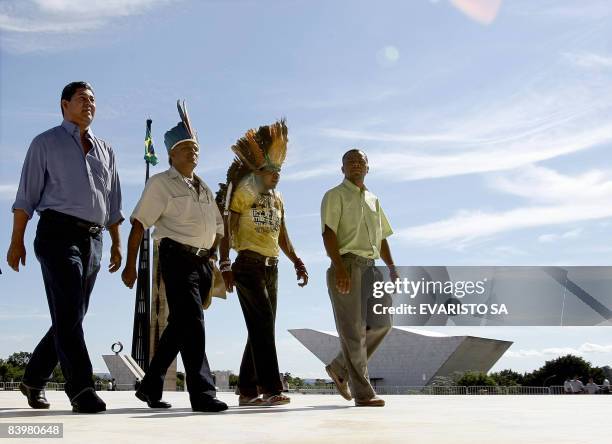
point(87, 401)
point(36, 397)
point(207, 404)
point(154, 404)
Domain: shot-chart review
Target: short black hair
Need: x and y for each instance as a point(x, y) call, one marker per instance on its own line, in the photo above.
point(70, 89)
point(354, 150)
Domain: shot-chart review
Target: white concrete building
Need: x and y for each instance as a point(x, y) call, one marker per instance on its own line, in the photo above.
point(411, 357)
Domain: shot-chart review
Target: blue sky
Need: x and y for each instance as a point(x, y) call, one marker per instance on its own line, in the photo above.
point(487, 124)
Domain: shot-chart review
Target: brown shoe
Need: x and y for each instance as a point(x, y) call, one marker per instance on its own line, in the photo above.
point(341, 384)
point(372, 402)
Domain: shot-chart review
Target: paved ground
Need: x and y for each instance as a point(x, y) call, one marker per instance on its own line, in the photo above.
point(328, 418)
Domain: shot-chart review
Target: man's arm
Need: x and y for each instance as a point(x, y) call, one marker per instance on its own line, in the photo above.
point(385, 255)
point(330, 241)
point(115, 259)
point(129, 274)
point(31, 187)
point(231, 226)
point(17, 252)
point(285, 244)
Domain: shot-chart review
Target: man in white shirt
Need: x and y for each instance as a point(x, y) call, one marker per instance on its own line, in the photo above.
point(605, 386)
point(591, 387)
point(189, 226)
point(577, 385)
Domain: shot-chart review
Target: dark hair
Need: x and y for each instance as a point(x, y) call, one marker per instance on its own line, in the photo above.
point(70, 89)
point(354, 150)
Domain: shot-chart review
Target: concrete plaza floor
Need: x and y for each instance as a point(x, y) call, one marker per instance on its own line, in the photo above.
point(329, 419)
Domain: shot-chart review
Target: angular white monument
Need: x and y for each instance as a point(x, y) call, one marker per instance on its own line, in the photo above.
point(412, 357)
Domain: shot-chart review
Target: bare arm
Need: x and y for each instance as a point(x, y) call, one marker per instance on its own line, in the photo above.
point(129, 273)
point(285, 244)
point(231, 226)
point(17, 252)
point(115, 260)
point(385, 254)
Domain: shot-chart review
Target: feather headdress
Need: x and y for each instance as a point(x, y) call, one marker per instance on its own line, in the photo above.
point(183, 131)
point(257, 151)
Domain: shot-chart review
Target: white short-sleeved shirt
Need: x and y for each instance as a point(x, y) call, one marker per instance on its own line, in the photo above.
point(172, 205)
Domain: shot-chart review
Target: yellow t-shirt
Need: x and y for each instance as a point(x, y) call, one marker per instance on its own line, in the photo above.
point(261, 216)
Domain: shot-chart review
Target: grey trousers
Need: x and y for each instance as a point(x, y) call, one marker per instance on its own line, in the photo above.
point(359, 334)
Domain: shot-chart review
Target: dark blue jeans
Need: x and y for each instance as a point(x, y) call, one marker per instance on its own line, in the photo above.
point(256, 285)
point(187, 279)
point(70, 261)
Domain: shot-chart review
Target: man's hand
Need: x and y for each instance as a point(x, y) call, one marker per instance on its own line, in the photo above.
point(301, 272)
point(303, 276)
point(228, 278)
point(16, 253)
point(343, 280)
point(393, 276)
point(129, 275)
point(115, 259)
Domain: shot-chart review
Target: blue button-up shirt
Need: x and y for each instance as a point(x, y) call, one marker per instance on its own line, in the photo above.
point(58, 175)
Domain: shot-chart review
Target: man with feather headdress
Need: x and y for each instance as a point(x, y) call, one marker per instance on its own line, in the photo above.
point(255, 228)
point(189, 226)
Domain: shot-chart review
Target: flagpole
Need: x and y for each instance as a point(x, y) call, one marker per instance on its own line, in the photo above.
point(142, 307)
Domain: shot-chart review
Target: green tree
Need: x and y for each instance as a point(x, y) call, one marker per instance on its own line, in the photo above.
point(442, 381)
point(57, 375)
point(556, 371)
point(293, 381)
point(3, 370)
point(507, 378)
point(475, 378)
point(180, 381)
point(19, 359)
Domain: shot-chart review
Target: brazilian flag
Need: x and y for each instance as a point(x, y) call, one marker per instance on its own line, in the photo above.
point(149, 156)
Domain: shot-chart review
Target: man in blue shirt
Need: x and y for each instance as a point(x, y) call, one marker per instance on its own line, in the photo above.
point(70, 178)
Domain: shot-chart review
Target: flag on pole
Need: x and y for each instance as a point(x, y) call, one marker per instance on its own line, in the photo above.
point(149, 156)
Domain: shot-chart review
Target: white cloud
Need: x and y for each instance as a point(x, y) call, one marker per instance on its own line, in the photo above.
point(31, 25)
point(552, 237)
point(589, 60)
point(554, 199)
point(493, 134)
point(584, 349)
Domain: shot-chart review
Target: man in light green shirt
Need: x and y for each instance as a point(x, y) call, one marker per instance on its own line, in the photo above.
point(355, 231)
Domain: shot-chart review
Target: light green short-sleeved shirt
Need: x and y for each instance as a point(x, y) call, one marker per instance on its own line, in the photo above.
point(357, 218)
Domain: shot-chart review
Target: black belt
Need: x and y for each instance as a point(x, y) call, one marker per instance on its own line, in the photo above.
point(200, 252)
point(56, 216)
point(254, 257)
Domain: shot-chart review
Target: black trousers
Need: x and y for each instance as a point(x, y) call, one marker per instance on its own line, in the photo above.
point(187, 278)
point(70, 260)
point(256, 285)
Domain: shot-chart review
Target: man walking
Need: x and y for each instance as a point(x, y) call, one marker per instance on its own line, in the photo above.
point(70, 178)
point(355, 231)
point(188, 223)
point(256, 230)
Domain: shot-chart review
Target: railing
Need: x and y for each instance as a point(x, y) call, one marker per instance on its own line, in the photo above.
point(382, 390)
point(448, 390)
